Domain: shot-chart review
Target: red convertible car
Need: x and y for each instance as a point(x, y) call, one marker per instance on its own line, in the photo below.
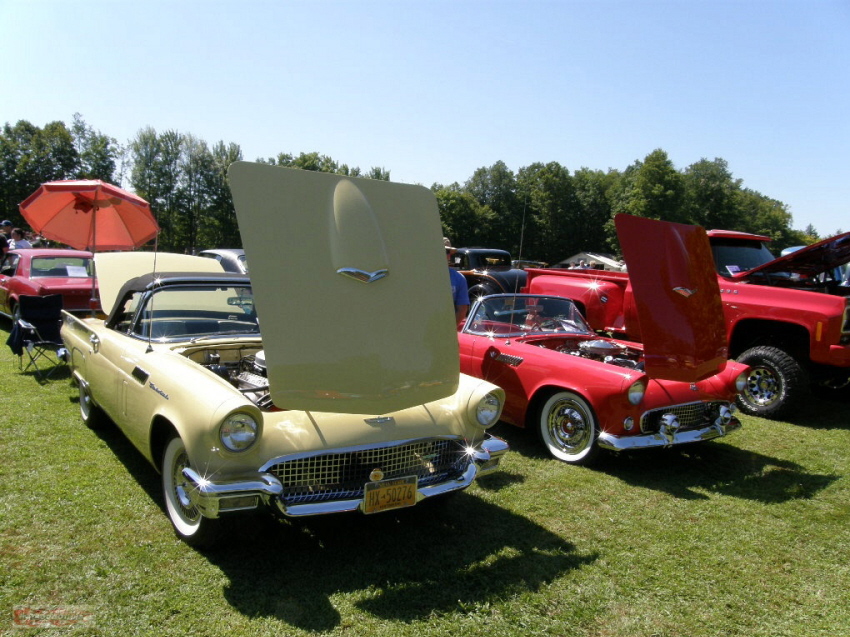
point(39, 272)
point(583, 391)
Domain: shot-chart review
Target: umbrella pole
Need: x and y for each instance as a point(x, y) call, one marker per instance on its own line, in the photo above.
point(93, 300)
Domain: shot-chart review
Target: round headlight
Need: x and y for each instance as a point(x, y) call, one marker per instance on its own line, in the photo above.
point(741, 381)
point(488, 410)
point(636, 392)
point(238, 431)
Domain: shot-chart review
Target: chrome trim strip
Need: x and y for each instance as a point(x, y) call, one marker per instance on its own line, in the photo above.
point(342, 506)
point(206, 494)
point(666, 439)
point(354, 449)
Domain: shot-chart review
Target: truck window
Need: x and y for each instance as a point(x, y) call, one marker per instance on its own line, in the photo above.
point(733, 256)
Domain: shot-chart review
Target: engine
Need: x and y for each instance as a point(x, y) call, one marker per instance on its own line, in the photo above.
point(606, 351)
point(249, 376)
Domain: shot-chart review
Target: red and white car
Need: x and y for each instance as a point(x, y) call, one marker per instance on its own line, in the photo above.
point(44, 271)
point(583, 391)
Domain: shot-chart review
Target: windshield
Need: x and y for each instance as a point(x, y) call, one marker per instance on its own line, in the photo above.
point(68, 267)
point(734, 256)
point(519, 314)
point(192, 311)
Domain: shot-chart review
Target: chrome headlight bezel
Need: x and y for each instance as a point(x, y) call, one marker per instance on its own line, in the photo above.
point(238, 431)
point(485, 409)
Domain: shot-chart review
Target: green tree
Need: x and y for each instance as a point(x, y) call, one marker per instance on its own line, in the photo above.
point(589, 223)
point(194, 191)
point(654, 189)
point(465, 222)
point(30, 156)
point(98, 153)
point(156, 178)
point(220, 229)
point(710, 194)
point(495, 188)
point(549, 228)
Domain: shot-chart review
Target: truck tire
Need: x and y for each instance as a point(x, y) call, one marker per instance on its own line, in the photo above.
point(776, 384)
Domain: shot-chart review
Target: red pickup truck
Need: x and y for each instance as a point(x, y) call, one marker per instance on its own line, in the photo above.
point(787, 317)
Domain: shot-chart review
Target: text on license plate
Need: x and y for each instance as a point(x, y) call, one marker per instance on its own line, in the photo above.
point(389, 494)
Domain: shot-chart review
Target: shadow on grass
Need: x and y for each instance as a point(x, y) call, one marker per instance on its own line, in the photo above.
point(690, 471)
point(713, 467)
point(435, 558)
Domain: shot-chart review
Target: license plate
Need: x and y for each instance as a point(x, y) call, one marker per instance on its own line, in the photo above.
point(389, 494)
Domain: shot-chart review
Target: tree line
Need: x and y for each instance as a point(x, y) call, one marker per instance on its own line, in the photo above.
point(541, 212)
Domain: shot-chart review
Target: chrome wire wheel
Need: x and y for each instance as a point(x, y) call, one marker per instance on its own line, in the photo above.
point(568, 428)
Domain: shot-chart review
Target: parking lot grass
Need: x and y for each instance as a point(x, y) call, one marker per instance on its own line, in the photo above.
point(745, 536)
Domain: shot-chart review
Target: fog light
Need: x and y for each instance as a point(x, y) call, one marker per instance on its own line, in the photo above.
point(628, 423)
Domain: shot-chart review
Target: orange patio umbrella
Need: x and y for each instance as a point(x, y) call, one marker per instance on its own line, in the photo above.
point(90, 215)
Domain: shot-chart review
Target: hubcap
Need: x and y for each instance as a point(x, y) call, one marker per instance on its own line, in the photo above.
point(179, 488)
point(568, 427)
point(763, 386)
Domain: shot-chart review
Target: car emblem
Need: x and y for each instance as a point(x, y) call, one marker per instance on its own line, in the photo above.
point(376, 475)
point(362, 275)
point(686, 292)
point(694, 387)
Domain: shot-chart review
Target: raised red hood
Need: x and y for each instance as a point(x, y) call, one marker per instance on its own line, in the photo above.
point(812, 260)
point(671, 269)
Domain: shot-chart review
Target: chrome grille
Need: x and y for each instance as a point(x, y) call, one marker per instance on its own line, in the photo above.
point(342, 475)
point(690, 415)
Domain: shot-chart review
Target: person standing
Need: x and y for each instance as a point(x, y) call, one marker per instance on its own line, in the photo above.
point(460, 288)
point(5, 229)
point(19, 240)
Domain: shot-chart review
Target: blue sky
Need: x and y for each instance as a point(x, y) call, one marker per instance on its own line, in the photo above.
point(433, 90)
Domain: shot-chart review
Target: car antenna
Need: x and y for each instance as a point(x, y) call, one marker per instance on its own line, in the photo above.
point(150, 320)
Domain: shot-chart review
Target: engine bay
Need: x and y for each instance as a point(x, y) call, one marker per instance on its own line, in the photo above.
point(243, 367)
point(598, 349)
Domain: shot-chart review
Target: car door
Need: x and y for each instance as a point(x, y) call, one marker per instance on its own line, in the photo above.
point(8, 269)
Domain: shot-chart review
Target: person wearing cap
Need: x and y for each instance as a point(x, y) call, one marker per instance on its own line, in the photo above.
point(460, 289)
point(6, 228)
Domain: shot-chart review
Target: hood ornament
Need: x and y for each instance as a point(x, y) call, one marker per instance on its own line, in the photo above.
point(363, 276)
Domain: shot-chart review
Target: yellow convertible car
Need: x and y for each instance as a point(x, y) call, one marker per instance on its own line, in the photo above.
point(306, 390)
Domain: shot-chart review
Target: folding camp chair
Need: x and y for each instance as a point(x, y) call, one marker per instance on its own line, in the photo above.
point(35, 334)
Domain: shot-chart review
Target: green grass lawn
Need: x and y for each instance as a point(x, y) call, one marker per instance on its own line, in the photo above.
point(749, 536)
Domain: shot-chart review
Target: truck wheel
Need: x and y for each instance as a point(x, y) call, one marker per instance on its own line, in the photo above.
point(568, 428)
point(775, 385)
point(190, 526)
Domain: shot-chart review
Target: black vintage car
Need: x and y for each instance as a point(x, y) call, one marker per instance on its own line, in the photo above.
point(488, 271)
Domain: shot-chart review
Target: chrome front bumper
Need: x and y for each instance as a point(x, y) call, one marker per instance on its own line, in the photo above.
point(212, 498)
point(667, 438)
